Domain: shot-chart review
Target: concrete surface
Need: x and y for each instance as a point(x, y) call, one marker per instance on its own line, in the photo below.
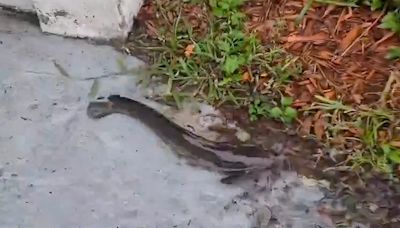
point(25, 5)
point(87, 18)
point(60, 169)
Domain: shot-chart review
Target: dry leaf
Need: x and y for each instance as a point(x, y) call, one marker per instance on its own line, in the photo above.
point(189, 50)
point(350, 37)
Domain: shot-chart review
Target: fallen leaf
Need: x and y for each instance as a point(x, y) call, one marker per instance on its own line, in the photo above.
point(189, 50)
point(350, 37)
point(312, 38)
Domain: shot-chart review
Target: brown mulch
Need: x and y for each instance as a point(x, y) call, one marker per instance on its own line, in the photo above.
point(343, 54)
point(342, 48)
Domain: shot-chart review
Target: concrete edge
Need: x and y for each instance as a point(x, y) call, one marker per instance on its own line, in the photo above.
point(109, 22)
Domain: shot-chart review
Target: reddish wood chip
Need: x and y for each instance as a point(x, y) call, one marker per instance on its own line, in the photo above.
point(319, 128)
point(350, 37)
point(306, 126)
point(312, 38)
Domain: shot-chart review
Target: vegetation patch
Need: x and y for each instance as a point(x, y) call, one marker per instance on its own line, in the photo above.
point(329, 66)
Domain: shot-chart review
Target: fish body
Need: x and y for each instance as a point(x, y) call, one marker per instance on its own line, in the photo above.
point(231, 160)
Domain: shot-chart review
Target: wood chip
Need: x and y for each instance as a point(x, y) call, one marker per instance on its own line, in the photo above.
point(324, 54)
point(306, 126)
point(319, 128)
point(310, 88)
point(305, 82)
point(299, 104)
point(350, 37)
point(331, 95)
point(312, 38)
point(357, 98)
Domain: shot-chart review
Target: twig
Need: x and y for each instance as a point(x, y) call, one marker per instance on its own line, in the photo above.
point(386, 90)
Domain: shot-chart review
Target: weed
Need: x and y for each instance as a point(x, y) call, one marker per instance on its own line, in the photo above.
point(391, 21)
point(394, 53)
point(282, 112)
point(258, 109)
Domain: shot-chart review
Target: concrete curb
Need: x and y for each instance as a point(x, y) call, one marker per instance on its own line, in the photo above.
point(106, 20)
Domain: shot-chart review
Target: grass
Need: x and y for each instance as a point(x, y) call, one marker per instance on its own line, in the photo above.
point(224, 64)
point(369, 146)
point(220, 62)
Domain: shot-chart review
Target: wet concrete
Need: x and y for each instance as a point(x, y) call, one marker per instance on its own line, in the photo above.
point(58, 168)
